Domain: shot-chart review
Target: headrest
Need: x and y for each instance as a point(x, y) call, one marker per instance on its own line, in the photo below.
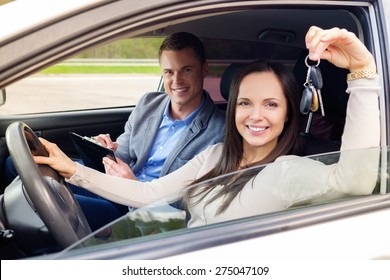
point(227, 78)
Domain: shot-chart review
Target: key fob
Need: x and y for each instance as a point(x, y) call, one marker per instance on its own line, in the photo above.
point(316, 77)
point(306, 100)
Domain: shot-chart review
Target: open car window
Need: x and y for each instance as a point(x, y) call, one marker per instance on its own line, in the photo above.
point(119, 73)
point(113, 75)
point(359, 176)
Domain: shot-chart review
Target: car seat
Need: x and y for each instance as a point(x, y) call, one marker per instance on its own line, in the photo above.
point(227, 78)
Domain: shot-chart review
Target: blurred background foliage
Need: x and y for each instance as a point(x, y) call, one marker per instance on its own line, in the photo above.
point(128, 48)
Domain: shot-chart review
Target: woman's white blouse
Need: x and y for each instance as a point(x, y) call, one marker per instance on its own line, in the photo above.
point(289, 181)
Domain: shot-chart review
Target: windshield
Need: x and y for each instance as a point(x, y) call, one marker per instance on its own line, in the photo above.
point(297, 182)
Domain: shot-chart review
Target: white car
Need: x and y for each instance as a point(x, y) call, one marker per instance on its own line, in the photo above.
point(36, 36)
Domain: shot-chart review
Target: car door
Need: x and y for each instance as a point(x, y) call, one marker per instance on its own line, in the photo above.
point(352, 228)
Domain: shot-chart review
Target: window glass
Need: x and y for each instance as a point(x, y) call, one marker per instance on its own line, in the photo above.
point(113, 75)
point(294, 182)
point(119, 73)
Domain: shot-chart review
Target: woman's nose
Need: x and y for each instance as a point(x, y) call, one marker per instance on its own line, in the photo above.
point(256, 113)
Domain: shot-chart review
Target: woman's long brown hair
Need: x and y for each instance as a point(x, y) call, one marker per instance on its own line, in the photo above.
point(232, 151)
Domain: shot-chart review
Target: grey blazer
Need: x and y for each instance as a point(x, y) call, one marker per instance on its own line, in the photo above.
point(135, 143)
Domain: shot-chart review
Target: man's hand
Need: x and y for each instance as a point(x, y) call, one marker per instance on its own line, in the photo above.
point(105, 141)
point(119, 169)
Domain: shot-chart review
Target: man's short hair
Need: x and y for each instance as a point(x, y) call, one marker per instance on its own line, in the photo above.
point(181, 40)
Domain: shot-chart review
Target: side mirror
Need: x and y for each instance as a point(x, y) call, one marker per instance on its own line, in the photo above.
point(2, 96)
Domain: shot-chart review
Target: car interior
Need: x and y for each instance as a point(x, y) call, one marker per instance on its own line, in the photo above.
point(273, 33)
point(261, 35)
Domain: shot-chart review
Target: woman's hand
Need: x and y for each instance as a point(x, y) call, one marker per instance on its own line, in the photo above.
point(118, 169)
point(56, 160)
point(340, 47)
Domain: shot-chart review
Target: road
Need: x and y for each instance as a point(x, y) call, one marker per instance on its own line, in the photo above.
point(74, 92)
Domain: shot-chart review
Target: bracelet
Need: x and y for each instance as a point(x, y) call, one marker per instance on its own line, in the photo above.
point(365, 73)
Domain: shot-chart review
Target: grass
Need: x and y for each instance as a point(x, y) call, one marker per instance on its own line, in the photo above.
point(101, 69)
point(214, 70)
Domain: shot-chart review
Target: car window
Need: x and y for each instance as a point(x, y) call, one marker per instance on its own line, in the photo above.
point(119, 73)
point(356, 179)
point(113, 75)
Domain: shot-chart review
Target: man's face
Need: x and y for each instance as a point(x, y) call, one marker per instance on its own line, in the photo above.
point(183, 76)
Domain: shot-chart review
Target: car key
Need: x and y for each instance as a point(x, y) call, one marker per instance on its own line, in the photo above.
point(315, 76)
point(316, 80)
point(306, 105)
point(306, 100)
point(314, 103)
point(311, 98)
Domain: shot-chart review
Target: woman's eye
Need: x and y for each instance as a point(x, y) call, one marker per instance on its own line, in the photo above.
point(272, 104)
point(243, 103)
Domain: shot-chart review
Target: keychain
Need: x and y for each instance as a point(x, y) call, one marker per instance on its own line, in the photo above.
point(311, 99)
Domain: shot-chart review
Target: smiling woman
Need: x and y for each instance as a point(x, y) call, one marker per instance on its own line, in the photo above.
point(261, 96)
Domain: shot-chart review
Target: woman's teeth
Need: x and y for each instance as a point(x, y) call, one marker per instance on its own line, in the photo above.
point(256, 128)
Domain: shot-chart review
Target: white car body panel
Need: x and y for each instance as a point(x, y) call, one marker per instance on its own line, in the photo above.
point(360, 237)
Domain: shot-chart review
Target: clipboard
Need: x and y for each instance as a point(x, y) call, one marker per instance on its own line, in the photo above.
point(91, 152)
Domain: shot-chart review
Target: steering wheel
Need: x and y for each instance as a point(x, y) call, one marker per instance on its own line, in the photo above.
point(49, 193)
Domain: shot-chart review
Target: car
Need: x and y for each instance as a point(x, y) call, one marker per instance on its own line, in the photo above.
point(234, 32)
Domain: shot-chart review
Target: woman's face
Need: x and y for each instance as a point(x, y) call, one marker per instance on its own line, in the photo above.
point(261, 111)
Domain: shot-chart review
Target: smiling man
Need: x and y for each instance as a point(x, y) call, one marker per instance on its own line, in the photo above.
point(166, 129)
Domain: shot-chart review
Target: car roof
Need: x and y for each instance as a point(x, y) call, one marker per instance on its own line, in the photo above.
point(18, 18)
point(67, 25)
